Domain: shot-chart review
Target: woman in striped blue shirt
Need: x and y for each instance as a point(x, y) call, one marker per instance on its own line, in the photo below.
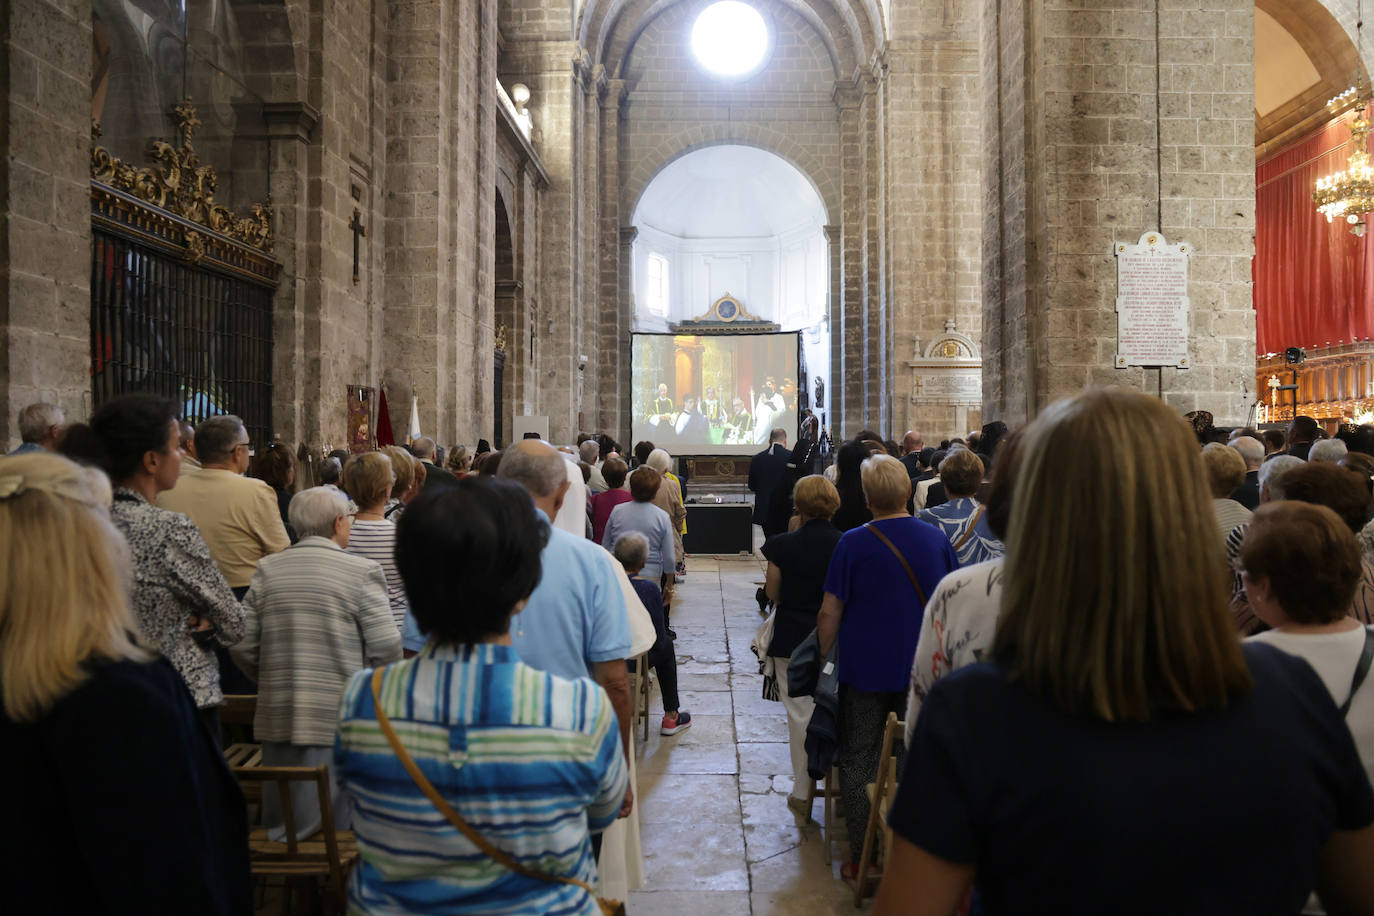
point(530, 761)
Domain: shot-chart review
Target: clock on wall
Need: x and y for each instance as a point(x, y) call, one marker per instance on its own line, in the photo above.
point(726, 308)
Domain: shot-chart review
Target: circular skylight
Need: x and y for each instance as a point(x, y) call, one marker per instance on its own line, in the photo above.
point(730, 38)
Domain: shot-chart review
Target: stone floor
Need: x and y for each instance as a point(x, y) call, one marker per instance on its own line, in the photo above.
point(719, 839)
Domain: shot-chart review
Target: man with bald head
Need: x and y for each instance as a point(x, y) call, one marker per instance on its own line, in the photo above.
point(575, 623)
point(912, 443)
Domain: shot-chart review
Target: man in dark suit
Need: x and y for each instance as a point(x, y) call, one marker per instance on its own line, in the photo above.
point(1252, 450)
point(912, 443)
point(423, 448)
point(765, 470)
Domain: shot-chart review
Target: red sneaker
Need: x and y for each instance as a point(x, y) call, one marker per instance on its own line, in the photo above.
point(675, 722)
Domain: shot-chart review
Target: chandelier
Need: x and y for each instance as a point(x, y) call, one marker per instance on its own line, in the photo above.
point(1350, 193)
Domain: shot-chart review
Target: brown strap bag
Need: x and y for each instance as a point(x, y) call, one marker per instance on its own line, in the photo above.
point(608, 907)
point(920, 592)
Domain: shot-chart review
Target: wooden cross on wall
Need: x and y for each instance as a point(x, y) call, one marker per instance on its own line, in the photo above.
point(359, 231)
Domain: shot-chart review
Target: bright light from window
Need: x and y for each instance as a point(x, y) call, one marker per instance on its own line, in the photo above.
point(730, 38)
point(657, 286)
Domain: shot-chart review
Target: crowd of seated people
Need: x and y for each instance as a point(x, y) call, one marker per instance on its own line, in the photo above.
point(1104, 678)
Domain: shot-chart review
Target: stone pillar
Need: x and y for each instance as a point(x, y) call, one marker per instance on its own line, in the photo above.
point(849, 397)
point(934, 177)
point(834, 238)
point(45, 234)
point(1098, 131)
point(289, 127)
point(614, 305)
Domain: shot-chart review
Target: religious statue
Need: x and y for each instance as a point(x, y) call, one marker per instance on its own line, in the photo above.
point(820, 392)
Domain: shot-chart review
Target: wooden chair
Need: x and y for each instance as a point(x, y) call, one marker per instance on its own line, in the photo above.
point(880, 795)
point(236, 716)
point(323, 859)
point(830, 791)
point(639, 694)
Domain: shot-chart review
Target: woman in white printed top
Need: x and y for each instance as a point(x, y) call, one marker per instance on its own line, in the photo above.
point(368, 479)
point(961, 616)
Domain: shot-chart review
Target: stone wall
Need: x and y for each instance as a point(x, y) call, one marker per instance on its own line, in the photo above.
point(1086, 152)
point(45, 236)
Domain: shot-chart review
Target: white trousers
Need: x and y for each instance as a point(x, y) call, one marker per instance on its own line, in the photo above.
point(799, 711)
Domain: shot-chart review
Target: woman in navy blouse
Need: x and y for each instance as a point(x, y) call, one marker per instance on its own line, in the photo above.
point(1122, 753)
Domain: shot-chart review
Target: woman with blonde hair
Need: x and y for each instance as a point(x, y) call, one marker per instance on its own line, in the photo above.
point(405, 488)
point(875, 595)
point(795, 584)
point(123, 801)
point(369, 480)
point(1122, 752)
point(459, 460)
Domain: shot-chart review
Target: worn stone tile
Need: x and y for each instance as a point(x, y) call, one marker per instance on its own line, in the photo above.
point(707, 703)
point(762, 728)
point(767, 759)
point(688, 903)
point(688, 855)
point(666, 797)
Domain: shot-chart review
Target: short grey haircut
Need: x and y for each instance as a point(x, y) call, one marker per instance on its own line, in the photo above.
point(216, 438)
point(1327, 450)
point(36, 419)
point(423, 448)
point(1271, 474)
point(589, 451)
point(659, 460)
point(330, 469)
point(631, 550)
point(1252, 450)
point(313, 512)
point(540, 471)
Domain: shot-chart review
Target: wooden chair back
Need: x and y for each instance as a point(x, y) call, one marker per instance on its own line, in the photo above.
point(880, 794)
point(328, 854)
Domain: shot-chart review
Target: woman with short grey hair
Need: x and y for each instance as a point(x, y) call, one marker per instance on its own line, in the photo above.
point(315, 615)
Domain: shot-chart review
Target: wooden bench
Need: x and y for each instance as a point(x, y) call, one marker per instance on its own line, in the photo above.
point(877, 835)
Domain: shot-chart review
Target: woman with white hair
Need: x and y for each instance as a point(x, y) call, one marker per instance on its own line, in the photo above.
point(874, 599)
point(669, 499)
point(316, 615)
point(120, 801)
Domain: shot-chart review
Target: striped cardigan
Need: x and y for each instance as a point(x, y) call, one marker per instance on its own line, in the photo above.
point(314, 616)
point(530, 760)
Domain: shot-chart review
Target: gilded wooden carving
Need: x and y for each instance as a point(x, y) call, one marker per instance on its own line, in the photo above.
point(182, 185)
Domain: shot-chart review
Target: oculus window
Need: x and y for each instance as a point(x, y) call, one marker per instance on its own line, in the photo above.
point(730, 39)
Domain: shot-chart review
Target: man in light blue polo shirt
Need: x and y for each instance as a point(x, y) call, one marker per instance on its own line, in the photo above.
point(575, 624)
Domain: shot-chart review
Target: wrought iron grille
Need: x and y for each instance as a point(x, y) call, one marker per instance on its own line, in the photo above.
point(187, 331)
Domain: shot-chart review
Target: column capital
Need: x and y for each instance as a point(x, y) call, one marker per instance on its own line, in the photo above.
point(288, 120)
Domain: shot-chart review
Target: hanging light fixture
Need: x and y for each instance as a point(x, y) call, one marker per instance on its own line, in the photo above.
point(1350, 193)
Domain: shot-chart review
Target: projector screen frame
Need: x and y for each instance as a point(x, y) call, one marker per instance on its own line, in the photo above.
point(734, 333)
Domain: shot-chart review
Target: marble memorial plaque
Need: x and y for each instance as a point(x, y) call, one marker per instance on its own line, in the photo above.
point(1152, 302)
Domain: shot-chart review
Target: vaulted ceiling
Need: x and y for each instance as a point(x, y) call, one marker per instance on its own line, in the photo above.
point(1302, 58)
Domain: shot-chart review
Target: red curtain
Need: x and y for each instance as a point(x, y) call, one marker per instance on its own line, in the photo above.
point(1310, 287)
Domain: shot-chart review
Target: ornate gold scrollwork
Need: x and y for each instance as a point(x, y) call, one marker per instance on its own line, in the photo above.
point(501, 333)
point(195, 247)
point(180, 184)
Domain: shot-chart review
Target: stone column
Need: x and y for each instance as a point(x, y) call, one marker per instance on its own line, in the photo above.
point(849, 397)
point(834, 237)
point(45, 242)
point(614, 305)
point(295, 376)
point(1098, 131)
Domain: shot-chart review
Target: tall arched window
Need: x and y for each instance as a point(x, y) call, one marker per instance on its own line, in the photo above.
point(656, 285)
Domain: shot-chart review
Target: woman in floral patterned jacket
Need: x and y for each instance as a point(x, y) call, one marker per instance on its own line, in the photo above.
point(181, 601)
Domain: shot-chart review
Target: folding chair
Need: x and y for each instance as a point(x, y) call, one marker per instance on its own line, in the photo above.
point(323, 859)
point(880, 793)
point(639, 694)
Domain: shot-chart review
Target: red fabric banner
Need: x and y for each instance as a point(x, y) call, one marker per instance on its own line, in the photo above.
point(1310, 275)
point(384, 436)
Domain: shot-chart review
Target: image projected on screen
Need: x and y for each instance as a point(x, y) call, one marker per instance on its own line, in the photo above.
point(714, 395)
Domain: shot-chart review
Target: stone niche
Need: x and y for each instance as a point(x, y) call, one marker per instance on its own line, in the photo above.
point(946, 383)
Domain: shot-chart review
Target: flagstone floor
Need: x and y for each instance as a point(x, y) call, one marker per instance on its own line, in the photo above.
point(718, 837)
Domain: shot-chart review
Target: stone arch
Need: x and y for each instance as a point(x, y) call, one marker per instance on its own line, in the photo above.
point(608, 29)
point(1318, 33)
point(826, 185)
